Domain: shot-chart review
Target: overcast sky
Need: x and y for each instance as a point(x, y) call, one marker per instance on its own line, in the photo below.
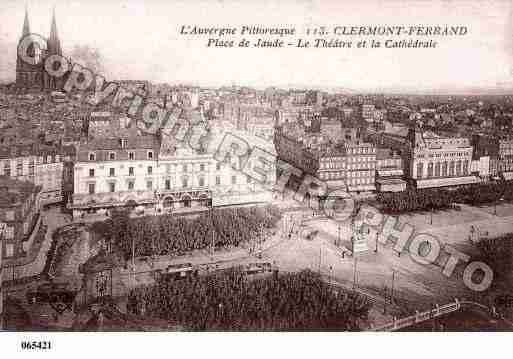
point(141, 41)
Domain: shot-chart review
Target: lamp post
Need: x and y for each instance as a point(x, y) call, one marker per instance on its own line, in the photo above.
point(495, 205)
point(392, 289)
point(376, 248)
point(354, 272)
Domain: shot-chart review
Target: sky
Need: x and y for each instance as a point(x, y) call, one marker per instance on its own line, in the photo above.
point(141, 40)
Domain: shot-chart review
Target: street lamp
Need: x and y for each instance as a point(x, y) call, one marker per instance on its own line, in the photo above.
point(495, 205)
point(392, 289)
point(376, 248)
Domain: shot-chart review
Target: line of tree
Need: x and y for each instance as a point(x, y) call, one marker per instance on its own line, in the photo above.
point(177, 235)
point(231, 301)
point(442, 198)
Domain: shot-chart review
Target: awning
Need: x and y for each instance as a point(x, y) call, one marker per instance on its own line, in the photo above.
point(443, 182)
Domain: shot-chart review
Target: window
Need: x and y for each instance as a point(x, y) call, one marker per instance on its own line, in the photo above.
point(7, 168)
point(31, 168)
point(150, 155)
point(131, 155)
point(92, 156)
point(437, 169)
point(9, 249)
point(218, 180)
point(218, 166)
point(168, 168)
point(248, 179)
point(184, 168)
point(150, 170)
point(234, 179)
point(112, 187)
point(185, 182)
point(444, 169)
point(130, 171)
point(168, 184)
point(91, 188)
point(465, 167)
point(112, 156)
point(430, 169)
point(149, 185)
point(130, 185)
point(112, 172)
point(19, 169)
point(9, 232)
point(202, 167)
point(458, 168)
point(91, 172)
point(201, 182)
point(420, 170)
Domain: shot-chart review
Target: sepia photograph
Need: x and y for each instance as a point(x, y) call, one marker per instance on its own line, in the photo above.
point(271, 173)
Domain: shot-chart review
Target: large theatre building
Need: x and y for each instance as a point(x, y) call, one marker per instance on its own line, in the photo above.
point(435, 161)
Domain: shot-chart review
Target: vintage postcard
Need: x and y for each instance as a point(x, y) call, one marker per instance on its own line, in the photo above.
point(227, 166)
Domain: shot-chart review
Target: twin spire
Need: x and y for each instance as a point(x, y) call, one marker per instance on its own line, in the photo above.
point(26, 26)
point(54, 44)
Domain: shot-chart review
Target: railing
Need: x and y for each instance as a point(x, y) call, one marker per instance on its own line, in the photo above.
point(418, 317)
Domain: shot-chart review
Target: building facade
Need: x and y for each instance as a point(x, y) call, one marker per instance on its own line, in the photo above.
point(389, 171)
point(435, 161)
point(349, 163)
point(30, 75)
point(505, 159)
point(156, 174)
point(114, 172)
point(39, 164)
point(19, 211)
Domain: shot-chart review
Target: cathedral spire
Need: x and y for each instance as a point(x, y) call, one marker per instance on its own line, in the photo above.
point(54, 44)
point(26, 26)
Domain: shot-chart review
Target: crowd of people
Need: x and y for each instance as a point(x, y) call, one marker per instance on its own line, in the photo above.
point(232, 301)
point(441, 198)
point(174, 235)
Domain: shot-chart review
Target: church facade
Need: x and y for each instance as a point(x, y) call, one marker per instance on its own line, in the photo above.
point(34, 76)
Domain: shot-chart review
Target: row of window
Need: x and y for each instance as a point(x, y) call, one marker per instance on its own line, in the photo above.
point(167, 184)
point(112, 156)
point(185, 167)
point(443, 169)
point(331, 175)
point(112, 171)
point(360, 150)
point(357, 181)
point(149, 170)
point(445, 154)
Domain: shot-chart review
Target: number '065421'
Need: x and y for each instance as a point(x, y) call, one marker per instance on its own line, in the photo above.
point(36, 345)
